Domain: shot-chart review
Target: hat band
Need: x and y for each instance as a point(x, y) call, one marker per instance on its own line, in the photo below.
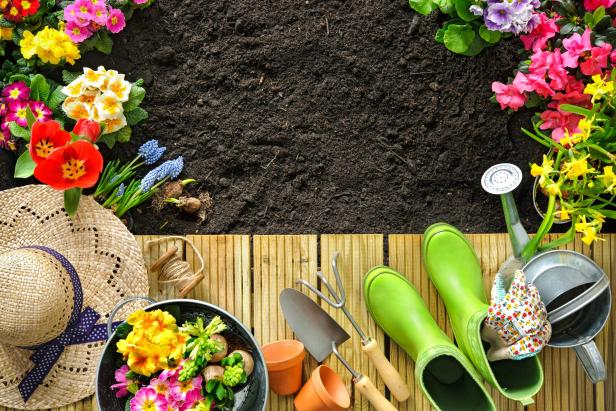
point(82, 328)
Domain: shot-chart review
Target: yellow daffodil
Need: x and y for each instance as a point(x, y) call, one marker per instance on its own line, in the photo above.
point(599, 88)
point(590, 229)
point(609, 179)
point(577, 167)
point(542, 171)
point(553, 189)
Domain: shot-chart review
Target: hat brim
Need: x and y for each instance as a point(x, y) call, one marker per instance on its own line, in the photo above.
point(110, 266)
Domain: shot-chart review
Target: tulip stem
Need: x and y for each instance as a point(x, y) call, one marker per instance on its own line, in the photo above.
point(71, 200)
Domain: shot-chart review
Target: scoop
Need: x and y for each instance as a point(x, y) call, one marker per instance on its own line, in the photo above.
point(321, 335)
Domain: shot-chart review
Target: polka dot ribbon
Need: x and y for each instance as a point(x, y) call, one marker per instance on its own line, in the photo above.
point(82, 328)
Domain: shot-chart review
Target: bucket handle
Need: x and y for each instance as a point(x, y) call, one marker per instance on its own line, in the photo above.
point(591, 360)
point(580, 301)
point(119, 306)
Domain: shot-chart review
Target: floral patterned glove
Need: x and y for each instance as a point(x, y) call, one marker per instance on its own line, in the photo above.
point(517, 325)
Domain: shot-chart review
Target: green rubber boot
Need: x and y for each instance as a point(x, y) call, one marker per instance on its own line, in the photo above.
point(454, 268)
point(445, 375)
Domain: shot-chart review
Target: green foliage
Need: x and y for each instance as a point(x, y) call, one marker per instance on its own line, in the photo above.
point(424, 7)
point(136, 116)
point(69, 76)
point(123, 330)
point(24, 167)
point(488, 35)
point(103, 42)
point(18, 131)
point(458, 37)
point(135, 97)
point(56, 98)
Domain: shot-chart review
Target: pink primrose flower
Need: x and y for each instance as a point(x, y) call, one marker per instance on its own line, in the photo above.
point(538, 38)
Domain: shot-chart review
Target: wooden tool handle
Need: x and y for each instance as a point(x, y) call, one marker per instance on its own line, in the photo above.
point(388, 373)
point(369, 391)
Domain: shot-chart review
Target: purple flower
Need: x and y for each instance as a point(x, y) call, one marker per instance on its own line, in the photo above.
point(513, 16)
point(500, 14)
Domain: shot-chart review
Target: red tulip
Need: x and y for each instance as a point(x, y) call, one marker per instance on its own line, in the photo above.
point(77, 164)
point(87, 128)
point(46, 137)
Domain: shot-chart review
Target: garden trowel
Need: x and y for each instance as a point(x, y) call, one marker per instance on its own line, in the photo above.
point(321, 335)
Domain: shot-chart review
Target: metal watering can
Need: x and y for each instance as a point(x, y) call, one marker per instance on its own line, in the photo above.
point(574, 289)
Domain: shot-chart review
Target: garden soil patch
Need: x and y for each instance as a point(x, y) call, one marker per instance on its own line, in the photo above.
point(306, 116)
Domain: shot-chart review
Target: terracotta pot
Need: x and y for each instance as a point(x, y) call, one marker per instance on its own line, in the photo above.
point(324, 391)
point(284, 361)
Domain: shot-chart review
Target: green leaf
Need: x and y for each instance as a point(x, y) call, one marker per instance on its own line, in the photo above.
point(30, 117)
point(424, 7)
point(490, 36)
point(462, 9)
point(588, 19)
point(123, 135)
point(440, 35)
point(445, 6)
point(567, 28)
point(135, 97)
point(69, 76)
point(598, 14)
point(5, 23)
point(135, 116)
point(56, 98)
point(211, 384)
point(458, 37)
point(104, 42)
point(19, 77)
point(475, 47)
point(24, 167)
point(123, 330)
point(107, 139)
point(39, 88)
point(72, 196)
point(19, 131)
point(221, 392)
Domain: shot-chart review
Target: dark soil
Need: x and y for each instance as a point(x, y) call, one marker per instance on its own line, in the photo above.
point(309, 116)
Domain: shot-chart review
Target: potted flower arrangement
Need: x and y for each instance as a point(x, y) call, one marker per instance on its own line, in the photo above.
point(182, 355)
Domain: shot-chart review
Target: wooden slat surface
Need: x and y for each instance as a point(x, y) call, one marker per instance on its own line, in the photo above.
point(245, 275)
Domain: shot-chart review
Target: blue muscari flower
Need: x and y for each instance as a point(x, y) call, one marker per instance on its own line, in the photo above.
point(120, 191)
point(151, 152)
point(170, 169)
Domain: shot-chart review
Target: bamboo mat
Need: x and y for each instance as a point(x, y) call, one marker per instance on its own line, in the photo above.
point(245, 275)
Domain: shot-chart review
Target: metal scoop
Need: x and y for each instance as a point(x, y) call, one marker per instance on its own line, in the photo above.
point(388, 373)
point(321, 335)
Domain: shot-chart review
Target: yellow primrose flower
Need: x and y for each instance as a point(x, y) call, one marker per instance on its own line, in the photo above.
point(114, 124)
point(144, 365)
point(75, 88)
point(542, 170)
point(75, 109)
point(577, 167)
point(609, 179)
point(50, 45)
point(93, 78)
point(120, 87)
point(6, 33)
point(599, 88)
point(108, 105)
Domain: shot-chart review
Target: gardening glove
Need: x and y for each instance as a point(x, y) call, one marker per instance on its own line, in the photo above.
point(517, 324)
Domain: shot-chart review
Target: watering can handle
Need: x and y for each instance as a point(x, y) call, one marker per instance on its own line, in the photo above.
point(591, 360)
point(517, 234)
point(119, 306)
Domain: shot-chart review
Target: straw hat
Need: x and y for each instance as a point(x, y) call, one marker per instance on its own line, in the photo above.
point(59, 279)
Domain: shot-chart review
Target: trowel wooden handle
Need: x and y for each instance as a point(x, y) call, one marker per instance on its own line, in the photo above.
point(388, 373)
point(369, 391)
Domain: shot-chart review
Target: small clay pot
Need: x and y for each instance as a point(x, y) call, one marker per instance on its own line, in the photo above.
point(324, 391)
point(284, 361)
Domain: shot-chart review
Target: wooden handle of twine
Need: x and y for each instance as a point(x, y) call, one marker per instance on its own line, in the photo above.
point(173, 270)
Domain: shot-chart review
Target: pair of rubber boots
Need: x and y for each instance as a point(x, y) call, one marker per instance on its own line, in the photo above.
point(448, 379)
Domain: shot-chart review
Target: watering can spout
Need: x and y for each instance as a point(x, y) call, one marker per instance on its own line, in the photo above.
point(502, 179)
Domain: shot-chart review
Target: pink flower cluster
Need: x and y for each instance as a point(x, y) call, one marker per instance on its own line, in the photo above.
point(14, 102)
point(551, 75)
point(164, 393)
point(85, 17)
point(591, 5)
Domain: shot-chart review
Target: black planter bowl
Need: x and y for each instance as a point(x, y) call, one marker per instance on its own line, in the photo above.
point(252, 396)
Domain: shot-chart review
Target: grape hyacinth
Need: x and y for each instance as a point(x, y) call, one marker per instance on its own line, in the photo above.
point(151, 152)
point(512, 16)
point(120, 190)
point(167, 170)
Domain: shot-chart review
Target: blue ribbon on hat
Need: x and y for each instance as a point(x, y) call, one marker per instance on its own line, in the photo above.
point(82, 328)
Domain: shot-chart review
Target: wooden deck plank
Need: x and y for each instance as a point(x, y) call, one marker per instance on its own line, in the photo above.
point(278, 262)
point(358, 254)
